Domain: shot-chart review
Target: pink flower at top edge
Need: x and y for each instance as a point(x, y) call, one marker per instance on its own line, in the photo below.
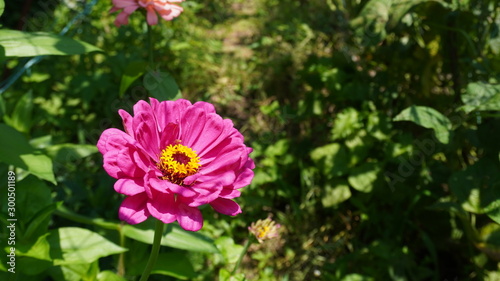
point(173, 157)
point(164, 8)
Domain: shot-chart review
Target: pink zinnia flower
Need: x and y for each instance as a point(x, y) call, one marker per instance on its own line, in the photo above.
point(173, 157)
point(165, 9)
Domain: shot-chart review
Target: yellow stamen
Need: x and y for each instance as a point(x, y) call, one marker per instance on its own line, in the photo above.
point(178, 162)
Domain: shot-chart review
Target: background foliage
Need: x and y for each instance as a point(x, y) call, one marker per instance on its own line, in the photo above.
point(374, 125)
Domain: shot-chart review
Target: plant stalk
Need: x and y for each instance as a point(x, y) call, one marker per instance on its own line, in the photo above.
point(154, 251)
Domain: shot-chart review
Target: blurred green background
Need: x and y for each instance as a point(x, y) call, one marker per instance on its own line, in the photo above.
point(374, 124)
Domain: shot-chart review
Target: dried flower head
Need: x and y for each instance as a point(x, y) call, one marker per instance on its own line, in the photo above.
point(264, 229)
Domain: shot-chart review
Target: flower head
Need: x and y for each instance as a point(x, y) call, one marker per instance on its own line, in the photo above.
point(264, 229)
point(164, 8)
point(173, 157)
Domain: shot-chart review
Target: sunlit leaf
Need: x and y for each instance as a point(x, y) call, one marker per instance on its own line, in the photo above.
point(30, 44)
point(332, 159)
point(16, 150)
point(428, 118)
point(334, 195)
point(363, 177)
point(174, 237)
point(73, 245)
point(481, 96)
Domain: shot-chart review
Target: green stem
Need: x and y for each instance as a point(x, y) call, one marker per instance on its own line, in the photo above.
point(243, 253)
point(154, 251)
point(121, 258)
point(150, 45)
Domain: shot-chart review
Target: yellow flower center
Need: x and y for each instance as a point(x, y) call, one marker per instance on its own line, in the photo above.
point(263, 231)
point(178, 162)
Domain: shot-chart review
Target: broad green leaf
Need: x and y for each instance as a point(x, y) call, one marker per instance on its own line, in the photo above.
point(16, 150)
point(75, 272)
point(175, 264)
point(334, 195)
point(108, 275)
point(174, 237)
point(2, 7)
point(21, 116)
point(35, 257)
point(73, 245)
point(428, 118)
point(369, 25)
point(476, 188)
point(161, 86)
point(229, 250)
point(39, 165)
point(133, 71)
point(40, 220)
point(400, 8)
point(31, 44)
point(363, 177)
point(35, 197)
point(332, 159)
point(481, 96)
point(68, 152)
point(490, 240)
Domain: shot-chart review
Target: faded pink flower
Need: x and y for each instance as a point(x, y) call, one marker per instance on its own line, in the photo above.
point(173, 157)
point(264, 229)
point(164, 8)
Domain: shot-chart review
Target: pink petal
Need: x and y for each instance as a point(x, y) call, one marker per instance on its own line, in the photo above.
point(169, 135)
point(127, 122)
point(147, 136)
point(244, 178)
point(226, 206)
point(163, 207)
point(151, 16)
point(166, 186)
point(129, 187)
point(171, 111)
point(133, 209)
point(110, 164)
point(189, 218)
point(170, 12)
point(121, 19)
point(126, 162)
point(113, 139)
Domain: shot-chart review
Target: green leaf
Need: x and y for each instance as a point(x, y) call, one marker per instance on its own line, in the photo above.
point(2, 7)
point(75, 272)
point(31, 44)
point(229, 250)
point(108, 275)
point(39, 165)
point(225, 275)
point(336, 194)
point(481, 96)
point(428, 118)
point(16, 150)
point(175, 264)
point(369, 26)
point(68, 152)
point(174, 236)
point(476, 188)
point(332, 159)
point(363, 177)
point(73, 245)
point(21, 116)
point(161, 86)
point(346, 123)
point(133, 71)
